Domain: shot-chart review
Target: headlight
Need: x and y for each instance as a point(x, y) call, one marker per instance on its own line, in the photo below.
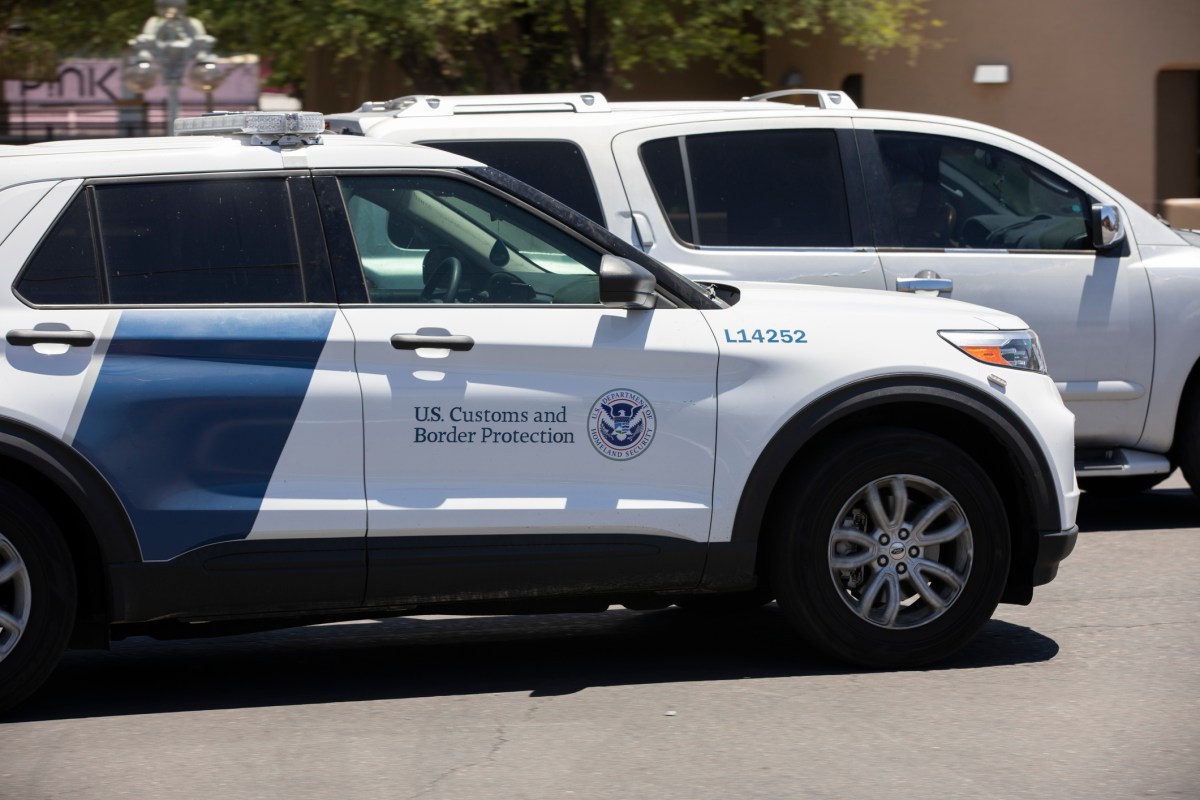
point(1013, 349)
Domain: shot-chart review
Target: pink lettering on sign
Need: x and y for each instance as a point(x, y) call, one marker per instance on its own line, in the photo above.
point(91, 82)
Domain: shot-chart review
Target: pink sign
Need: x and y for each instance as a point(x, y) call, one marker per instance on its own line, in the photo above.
point(91, 82)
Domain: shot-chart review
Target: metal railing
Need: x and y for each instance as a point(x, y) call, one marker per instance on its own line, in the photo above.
point(35, 132)
point(29, 123)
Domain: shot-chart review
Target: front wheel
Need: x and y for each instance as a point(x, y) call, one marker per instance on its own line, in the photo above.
point(892, 551)
point(37, 595)
point(1187, 446)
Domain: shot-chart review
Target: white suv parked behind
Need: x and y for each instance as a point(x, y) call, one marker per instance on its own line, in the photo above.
point(834, 194)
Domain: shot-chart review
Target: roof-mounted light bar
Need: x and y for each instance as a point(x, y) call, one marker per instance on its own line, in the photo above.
point(282, 128)
point(426, 105)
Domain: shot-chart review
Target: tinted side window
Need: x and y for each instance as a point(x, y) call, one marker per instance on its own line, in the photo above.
point(663, 161)
point(942, 192)
point(557, 168)
point(63, 270)
point(435, 240)
point(780, 188)
point(199, 242)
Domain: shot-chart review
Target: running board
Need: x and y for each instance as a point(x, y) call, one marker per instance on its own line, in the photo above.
point(1119, 462)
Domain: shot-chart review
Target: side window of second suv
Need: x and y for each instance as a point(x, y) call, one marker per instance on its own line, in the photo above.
point(942, 192)
point(767, 188)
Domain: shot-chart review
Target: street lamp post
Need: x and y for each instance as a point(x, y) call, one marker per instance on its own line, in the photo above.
point(174, 46)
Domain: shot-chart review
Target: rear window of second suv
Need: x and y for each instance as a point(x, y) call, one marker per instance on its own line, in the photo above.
point(778, 188)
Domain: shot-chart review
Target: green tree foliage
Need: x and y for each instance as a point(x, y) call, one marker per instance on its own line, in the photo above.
point(498, 45)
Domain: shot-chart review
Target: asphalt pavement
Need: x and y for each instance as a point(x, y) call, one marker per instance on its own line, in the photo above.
point(1090, 692)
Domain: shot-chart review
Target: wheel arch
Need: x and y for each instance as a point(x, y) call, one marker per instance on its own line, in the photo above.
point(964, 415)
point(89, 514)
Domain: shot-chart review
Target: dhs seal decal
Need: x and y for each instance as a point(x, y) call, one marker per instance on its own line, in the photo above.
point(621, 424)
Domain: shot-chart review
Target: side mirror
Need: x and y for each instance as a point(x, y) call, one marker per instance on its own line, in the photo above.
point(624, 284)
point(1108, 229)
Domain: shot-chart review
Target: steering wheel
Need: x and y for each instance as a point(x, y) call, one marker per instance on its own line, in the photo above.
point(504, 287)
point(451, 268)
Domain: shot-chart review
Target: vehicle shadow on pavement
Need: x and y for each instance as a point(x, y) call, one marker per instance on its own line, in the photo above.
point(444, 656)
point(1160, 509)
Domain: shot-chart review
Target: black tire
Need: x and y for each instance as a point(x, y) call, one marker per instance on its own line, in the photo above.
point(41, 593)
point(1187, 442)
point(1122, 487)
point(831, 490)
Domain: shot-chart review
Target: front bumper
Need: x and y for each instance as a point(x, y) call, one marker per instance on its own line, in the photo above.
point(1041, 567)
point(1053, 547)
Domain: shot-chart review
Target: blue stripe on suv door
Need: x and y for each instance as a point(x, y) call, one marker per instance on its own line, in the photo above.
point(190, 413)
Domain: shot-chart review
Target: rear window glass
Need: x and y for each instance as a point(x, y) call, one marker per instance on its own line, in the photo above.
point(170, 243)
point(199, 242)
point(779, 188)
point(664, 166)
point(63, 270)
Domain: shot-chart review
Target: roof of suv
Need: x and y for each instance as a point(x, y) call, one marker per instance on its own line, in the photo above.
point(592, 110)
point(431, 118)
point(199, 154)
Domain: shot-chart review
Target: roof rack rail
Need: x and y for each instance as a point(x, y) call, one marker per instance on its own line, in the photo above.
point(827, 98)
point(428, 105)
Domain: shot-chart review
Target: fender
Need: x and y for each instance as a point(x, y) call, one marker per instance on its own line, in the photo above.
point(75, 476)
point(999, 421)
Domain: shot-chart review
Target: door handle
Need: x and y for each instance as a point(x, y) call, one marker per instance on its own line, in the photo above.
point(28, 338)
point(645, 233)
point(642, 231)
point(416, 341)
point(925, 282)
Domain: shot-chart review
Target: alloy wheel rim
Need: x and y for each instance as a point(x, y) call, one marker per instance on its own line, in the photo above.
point(15, 596)
point(901, 551)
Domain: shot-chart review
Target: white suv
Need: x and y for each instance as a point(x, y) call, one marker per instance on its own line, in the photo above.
point(256, 379)
point(837, 195)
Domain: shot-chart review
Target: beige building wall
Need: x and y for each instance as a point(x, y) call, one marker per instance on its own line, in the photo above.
point(333, 86)
point(700, 82)
point(1084, 80)
point(1113, 85)
point(341, 86)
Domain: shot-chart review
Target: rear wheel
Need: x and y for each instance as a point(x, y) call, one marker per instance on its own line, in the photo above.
point(37, 595)
point(893, 551)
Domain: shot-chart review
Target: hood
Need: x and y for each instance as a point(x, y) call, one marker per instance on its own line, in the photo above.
point(943, 312)
point(1190, 236)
